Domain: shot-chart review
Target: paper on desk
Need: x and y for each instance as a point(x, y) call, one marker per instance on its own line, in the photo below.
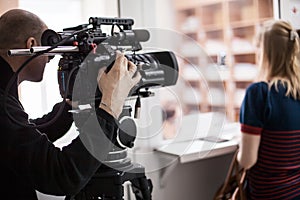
point(195, 126)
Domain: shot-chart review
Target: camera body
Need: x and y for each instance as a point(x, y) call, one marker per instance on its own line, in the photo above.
point(93, 49)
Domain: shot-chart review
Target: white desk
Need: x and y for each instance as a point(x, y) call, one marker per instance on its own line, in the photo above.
point(194, 169)
point(199, 149)
point(203, 147)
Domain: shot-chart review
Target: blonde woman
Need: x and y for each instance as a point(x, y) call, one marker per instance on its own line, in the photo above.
point(270, 118)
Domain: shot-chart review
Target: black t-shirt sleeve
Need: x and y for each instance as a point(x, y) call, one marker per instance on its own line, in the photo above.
point(61, 125)
point(30, 160)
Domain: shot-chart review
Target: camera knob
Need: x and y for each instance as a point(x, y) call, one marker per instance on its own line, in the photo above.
point(127, 132)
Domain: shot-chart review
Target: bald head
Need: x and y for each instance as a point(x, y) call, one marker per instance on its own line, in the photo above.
point(16, 26)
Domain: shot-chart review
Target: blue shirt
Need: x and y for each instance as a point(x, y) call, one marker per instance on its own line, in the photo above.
point(268, 112)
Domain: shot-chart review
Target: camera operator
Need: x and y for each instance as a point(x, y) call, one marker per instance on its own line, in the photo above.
point(29, 160)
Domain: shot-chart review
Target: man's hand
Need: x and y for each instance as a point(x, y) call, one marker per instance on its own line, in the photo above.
point(116, 84)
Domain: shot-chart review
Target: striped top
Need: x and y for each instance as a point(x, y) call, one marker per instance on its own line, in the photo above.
point(276, 118)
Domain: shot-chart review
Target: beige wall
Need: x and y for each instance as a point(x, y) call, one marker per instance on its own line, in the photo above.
point(7, 4)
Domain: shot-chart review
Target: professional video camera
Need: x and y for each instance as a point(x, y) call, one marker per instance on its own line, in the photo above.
point(84, 50)
point(97, 49)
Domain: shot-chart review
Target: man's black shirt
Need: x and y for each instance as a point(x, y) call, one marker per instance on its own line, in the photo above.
point(30, 161)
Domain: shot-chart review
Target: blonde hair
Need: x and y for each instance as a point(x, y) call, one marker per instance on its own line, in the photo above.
point(279, 62)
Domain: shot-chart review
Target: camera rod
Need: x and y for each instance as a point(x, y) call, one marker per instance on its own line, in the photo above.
point(33, 50)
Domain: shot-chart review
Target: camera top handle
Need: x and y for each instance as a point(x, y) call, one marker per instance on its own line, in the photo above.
point(98, 21)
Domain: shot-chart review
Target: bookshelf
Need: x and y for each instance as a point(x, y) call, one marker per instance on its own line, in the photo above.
point(222, 27)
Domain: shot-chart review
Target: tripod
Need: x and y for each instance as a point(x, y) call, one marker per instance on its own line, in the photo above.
point(107, 183)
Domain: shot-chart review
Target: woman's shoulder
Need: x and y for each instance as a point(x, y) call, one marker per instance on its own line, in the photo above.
point(258, 86)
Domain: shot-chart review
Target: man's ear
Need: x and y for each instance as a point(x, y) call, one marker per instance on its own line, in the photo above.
point(31, 41)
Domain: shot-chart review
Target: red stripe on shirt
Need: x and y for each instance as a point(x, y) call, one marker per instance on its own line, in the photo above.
point(251, 129)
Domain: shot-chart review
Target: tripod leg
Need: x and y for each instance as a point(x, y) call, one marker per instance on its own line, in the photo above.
point(142, 188)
